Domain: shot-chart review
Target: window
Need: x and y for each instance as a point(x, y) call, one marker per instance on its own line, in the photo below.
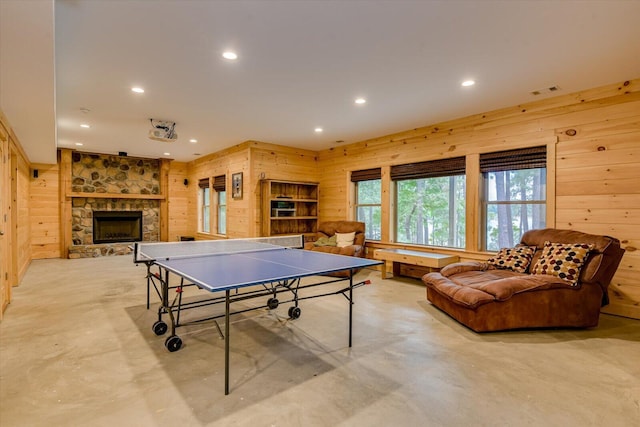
point(220, 187)
point(222, 212)
point(514, 196)
point(368, 201)
point(204, 200)
point(430, 202)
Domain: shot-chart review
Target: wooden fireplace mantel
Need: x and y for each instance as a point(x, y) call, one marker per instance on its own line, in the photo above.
point(118, 196)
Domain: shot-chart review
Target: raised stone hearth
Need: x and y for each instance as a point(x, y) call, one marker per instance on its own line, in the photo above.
point(103, 249)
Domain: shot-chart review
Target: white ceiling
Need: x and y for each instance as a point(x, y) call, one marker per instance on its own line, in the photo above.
point(301, 65)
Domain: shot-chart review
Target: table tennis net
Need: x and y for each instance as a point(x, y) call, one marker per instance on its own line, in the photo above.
point(198, 248)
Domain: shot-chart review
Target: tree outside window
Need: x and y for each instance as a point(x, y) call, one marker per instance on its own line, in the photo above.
point(368, 207)
point(222, 212)
point(431, 211)
point(205, 203)
point(515, 195)
point(515, 203)
point(430, 202)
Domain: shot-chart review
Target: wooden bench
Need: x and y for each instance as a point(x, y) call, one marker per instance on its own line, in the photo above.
point(403, 256)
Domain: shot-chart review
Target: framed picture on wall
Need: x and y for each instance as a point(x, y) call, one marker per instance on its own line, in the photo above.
point(236, 185)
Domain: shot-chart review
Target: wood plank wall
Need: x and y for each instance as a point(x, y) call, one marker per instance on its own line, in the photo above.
point(44, 212)
point(594, 140)
point(177, 200)
point(22, 221)
point(5, 221)
point(15, 241)
point(269, 161)
point(225, 162)
point(256, 160)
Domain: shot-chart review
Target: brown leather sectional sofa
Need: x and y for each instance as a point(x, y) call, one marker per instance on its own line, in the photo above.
point(485, 298)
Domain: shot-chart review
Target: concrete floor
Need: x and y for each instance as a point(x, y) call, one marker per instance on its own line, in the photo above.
point(77, 350)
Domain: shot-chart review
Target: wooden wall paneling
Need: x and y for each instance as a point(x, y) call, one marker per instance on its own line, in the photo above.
point(177, 201)
point(13, 211)
point(269, 161)
point(552, 157)
point(15, 250)
point(5, 224)
point(615, 201)
point(388, 201)
point(23, 225)
point(592, 175)
point(597, 173)
point(239, 220)
point(618, 108)
point(473, 207)
point(597, 129)
point(45, 207)
point(624, 290)
point(164, 203)
point(252, 189)
point(225, 162)
point(65, 201)
point(602, 171)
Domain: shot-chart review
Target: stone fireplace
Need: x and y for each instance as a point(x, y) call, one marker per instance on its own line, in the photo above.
point(106, 213)
point(117, 226)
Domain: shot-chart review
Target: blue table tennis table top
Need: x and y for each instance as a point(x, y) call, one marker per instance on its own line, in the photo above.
point(224, 271)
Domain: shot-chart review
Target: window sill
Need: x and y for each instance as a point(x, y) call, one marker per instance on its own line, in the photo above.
point(200, 235)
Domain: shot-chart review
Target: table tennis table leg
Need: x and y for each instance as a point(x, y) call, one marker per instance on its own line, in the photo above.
point(350, 305)
point(226, 343)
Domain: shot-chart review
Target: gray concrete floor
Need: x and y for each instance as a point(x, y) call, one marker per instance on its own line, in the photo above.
point(77, 350)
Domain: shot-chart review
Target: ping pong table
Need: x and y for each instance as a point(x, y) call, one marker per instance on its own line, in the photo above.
point(269, 268)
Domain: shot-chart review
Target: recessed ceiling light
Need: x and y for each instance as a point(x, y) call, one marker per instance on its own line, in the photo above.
point(167, 154)
point(84, 125)
point(360, 100)
point(193, 141)
point(468, 83)
point(137, 90)
point(230, 55)
point(79, 144)
point(318, 130)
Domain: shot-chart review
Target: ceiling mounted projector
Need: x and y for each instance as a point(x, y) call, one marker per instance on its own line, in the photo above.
point(162, 130)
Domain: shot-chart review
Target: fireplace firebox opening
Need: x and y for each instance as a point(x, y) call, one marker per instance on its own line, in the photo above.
point(117, 226)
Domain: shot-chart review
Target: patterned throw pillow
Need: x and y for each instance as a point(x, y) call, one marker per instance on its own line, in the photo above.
point(563, 260)
point(516, 259)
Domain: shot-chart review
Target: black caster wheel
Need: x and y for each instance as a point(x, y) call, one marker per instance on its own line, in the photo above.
point(173, 343)
point(272, 303)
point(294, 312)
point(159, 328)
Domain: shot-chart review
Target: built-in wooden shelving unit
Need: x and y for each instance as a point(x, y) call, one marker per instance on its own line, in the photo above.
point(289, 207)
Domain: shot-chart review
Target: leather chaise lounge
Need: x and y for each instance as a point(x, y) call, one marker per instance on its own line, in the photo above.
point(486, 296)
